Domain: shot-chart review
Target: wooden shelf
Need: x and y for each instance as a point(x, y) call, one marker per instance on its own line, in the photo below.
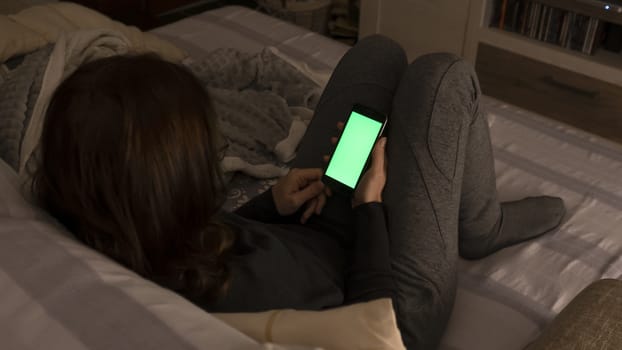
point(569, 97)
point(578, 89)
point(603, 65)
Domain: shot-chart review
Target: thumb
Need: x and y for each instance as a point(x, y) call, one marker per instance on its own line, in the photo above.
point(377, 161)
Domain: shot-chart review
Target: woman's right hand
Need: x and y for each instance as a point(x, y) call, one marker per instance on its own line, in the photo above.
point(370, 188)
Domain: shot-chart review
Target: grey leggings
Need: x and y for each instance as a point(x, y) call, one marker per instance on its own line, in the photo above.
point(440, 178)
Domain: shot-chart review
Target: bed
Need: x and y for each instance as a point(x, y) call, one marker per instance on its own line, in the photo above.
point(505, 300)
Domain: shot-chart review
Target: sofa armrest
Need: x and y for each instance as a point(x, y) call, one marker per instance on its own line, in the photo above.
point(592, 320)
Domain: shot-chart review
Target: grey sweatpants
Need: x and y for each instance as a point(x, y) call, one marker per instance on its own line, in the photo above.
point(440, 177)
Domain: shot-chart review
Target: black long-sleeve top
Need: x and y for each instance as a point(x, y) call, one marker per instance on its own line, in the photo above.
point(279, 263)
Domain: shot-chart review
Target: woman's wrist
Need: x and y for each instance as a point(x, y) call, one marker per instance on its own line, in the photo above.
point(356, 201)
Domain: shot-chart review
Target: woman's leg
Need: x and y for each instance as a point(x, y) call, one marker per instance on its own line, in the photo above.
point(434, 105)
point(367, 74)
point(486, 225)
point(434, 129)
point(441, 181)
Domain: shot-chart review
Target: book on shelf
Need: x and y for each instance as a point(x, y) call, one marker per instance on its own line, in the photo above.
point(613, 38)
point(556, 25)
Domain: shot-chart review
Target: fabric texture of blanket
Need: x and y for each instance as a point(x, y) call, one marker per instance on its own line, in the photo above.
point(263, 105)
point(27, 89)
point(262, 102)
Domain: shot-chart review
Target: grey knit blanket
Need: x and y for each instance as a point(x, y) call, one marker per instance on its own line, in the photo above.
point(20, 84)
point(263, 106)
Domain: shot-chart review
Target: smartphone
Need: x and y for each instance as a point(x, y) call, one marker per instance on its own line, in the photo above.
point(352, 152)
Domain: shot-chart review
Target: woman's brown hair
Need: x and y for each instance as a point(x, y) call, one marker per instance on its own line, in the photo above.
point(129, 164)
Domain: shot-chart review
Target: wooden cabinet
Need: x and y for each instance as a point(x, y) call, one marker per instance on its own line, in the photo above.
point(576, 99)
point(583, 90)
point(460, 26)
point(145, 14)
point(602, 65)
point(420, 26)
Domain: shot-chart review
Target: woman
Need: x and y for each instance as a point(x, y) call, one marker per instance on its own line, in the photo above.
point(130, 165)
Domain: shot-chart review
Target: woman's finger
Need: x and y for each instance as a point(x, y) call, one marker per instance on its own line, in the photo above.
point(305, 176)
point(340, 126)
point(333, 140)
point(328, 191)
point(321, 202)
point(326, 159)
point(307, 193)
point(310, 208)
point(378, 161)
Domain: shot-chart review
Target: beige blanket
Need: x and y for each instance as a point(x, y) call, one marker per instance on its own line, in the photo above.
point(71, 50)
point(80, 35)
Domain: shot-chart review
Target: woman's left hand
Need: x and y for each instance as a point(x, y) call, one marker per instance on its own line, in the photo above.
point(298, 187)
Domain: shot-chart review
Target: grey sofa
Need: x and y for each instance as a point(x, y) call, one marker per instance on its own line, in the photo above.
point(593, 320)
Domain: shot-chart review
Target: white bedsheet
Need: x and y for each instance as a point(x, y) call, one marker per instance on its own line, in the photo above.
point(505, 300)
point(512, 294)
point(242, 28)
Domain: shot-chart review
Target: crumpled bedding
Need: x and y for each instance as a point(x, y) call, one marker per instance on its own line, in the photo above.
point(263, 106)
point(250, 92)
point(42, 44)
point(27, 89)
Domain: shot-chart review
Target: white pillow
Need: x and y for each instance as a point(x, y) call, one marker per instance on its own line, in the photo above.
point(56, 293)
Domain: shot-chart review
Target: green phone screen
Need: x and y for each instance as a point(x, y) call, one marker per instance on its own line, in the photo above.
point(356, 142)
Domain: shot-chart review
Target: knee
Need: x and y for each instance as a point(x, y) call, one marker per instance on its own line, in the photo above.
point(423, 316)
point(437, 68)
point(383, 49)
point(443, 61)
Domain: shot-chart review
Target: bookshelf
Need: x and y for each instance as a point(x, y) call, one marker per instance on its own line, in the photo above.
point(568, 81)
point(603, 65)
point(576, 88)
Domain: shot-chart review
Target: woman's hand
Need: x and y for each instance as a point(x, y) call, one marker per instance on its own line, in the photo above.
point(298, 187)
point(370, 188)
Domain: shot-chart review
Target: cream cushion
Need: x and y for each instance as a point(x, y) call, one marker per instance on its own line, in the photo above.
point(38, 25)
point(370, 325)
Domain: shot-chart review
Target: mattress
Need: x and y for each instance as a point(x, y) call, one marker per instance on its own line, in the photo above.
point(503, 301)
